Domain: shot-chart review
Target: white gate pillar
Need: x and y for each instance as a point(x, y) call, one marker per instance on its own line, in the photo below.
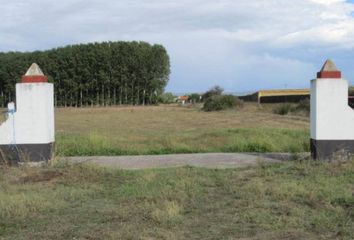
point(332, 120)
point(28, 132)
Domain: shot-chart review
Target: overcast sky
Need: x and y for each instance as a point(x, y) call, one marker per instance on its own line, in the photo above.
point(241, 45)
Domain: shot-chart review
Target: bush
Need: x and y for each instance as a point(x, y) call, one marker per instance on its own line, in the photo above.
point(215, 91)
point(195, 97)
point(167, 98)
point(302, 107)
point(221, 102)
point(283, 109)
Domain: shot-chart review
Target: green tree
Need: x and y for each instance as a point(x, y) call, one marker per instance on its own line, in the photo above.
point(103, 74)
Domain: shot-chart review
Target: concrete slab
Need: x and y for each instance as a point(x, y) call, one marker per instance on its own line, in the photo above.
point(205, 160)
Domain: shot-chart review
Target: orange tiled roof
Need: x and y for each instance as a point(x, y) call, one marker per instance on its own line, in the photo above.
point(183, 98)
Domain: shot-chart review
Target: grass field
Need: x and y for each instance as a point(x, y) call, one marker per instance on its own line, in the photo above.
point(292, 200)
point(175, 129)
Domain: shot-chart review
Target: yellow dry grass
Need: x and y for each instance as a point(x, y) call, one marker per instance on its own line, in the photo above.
point(126, 121)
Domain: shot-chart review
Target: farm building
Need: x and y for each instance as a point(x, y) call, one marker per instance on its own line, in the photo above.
point(277, 96)
point(285, 95)
point(183, 99)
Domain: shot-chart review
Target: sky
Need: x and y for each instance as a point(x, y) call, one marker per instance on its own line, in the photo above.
point(241, 45)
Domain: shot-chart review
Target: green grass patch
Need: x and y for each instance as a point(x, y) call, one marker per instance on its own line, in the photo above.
point(293, 200)
point(218, 140)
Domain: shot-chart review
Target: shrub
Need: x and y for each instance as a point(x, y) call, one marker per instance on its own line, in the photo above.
point(215, 91)
point(195, 97)
point(283, 109)
point(303, 106)
point(221, 102)
point(167, 98)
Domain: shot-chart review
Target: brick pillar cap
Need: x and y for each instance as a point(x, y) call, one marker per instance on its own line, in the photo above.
point(329, 70)
point(34, 75)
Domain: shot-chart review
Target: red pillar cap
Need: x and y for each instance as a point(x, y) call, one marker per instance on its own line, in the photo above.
point(329, 70)
point(34, 75)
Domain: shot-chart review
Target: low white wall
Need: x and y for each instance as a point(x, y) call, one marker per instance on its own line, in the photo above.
point(331, 116)
point(33, 120)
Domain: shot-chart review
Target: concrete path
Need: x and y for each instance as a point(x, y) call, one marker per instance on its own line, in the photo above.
point(207, 160)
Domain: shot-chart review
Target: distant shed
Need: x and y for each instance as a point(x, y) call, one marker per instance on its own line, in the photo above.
point(277, 96)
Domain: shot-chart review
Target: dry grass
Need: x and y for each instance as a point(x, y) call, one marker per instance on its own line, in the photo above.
point(175, 129)
point(169, 119)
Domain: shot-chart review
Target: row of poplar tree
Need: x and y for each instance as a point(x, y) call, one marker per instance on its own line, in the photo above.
point(97, 74)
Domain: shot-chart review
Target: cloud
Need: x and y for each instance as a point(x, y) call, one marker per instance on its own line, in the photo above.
point(237, 44)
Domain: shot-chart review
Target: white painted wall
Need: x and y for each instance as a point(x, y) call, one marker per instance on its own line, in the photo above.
point(331, 116)
point(33, 120)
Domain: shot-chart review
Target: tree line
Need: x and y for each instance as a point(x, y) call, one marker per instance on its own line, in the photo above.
point(95, 74)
